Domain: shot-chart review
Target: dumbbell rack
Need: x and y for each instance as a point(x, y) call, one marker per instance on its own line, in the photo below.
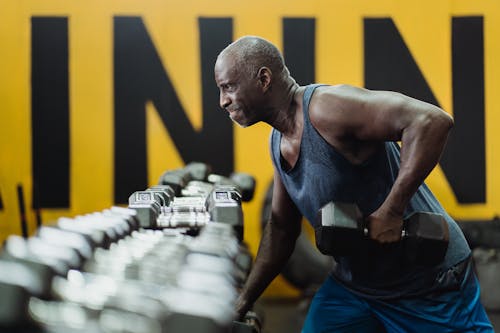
point(173, 261)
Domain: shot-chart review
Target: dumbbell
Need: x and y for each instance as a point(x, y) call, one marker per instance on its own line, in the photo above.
point(18, 283)
point(172, 310)
point(43, 268)
point(189, 280)
point(115, 225)
point(177, 179)
point(196, 188)
point(341, 231)
point(87, 232)
point(224, 205)
point(194, 311)
point(129, 216)
point(148, 206)
point(246, 184)
point(93, 236)
point(66, 238)
point(165, 192)
point(199, 171)
point(242, 182)
point(185, 212)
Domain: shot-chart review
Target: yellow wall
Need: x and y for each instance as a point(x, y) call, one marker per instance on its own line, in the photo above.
point(172, 25)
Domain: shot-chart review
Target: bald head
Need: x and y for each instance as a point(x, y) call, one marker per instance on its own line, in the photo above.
point(250, 53)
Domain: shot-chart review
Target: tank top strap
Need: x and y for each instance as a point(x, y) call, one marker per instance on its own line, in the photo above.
point(307, 99)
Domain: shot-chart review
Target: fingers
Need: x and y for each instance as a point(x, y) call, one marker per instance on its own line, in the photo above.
point(388, 236)
point(384, 229)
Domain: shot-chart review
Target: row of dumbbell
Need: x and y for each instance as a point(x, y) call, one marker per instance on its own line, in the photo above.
point(156, 208)
point(191, 197)
point(195, 180)
point(179, 180)
point(195, 290)
point(175, 283)
point(69, 267)
point(199, 198)
point(29, 266)
point(209, 268)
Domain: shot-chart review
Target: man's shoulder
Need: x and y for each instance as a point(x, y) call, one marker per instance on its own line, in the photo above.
point(342, 90)
point(330, 110)
point(326, 99)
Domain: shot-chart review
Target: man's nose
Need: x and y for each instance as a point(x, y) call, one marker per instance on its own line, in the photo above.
point(224, 101)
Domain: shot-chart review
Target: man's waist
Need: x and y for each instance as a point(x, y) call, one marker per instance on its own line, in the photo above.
point(405, 283)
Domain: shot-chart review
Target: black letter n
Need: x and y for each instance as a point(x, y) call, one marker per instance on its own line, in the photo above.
point(139, 77)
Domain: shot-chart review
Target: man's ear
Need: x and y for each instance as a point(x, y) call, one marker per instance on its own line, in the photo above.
point(264, 75)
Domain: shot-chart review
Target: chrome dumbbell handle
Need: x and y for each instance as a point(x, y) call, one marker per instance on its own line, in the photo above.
point(404, 233)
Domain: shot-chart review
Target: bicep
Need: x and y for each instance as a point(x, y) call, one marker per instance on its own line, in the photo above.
point(284, 212)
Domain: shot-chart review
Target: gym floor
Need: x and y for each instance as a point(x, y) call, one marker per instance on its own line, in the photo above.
point(287, 315)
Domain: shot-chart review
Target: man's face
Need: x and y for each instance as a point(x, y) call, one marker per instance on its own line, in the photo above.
point(239, 93)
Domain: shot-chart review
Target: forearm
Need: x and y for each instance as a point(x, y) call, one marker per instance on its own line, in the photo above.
point(275, 248)
point(422, 144)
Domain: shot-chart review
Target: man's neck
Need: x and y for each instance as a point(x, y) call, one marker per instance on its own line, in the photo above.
point(284, 106)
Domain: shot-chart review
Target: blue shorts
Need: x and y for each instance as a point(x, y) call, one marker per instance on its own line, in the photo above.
point(336, 309)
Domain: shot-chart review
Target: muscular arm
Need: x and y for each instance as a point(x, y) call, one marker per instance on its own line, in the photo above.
point(352, 118)
point(276, 246)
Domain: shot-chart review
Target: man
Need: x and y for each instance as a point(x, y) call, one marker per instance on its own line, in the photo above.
point(336, 143)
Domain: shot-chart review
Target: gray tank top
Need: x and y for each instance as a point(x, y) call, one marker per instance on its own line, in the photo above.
point(321, 174)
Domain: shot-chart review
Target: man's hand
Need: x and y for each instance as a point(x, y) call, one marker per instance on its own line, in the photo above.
point(385, 226)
